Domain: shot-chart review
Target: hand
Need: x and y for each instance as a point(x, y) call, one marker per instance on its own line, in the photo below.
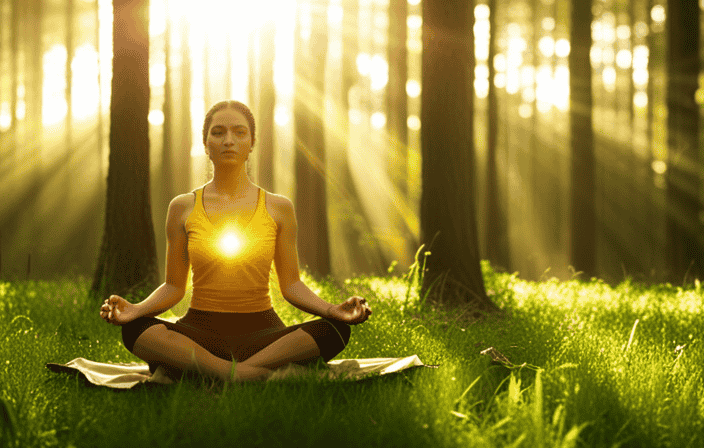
point(352, 311)
point(117, 311)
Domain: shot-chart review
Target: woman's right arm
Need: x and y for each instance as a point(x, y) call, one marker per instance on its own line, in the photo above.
point(177, 264)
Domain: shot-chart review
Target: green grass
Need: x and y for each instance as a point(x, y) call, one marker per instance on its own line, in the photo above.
point(583, 373)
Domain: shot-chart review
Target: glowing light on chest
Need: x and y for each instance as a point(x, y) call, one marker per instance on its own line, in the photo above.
point(229, 244)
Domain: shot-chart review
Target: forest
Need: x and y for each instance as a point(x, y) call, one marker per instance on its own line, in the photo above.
point(553, 195)
point(515, 187)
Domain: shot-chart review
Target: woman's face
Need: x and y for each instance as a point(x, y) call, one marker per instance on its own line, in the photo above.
point(229, 139)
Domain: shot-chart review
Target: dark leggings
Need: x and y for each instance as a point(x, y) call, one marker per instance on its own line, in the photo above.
point(237, 336)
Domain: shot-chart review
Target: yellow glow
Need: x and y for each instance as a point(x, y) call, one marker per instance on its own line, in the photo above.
point(546, 45)
point(640, 56)
point(548, 23)
point(481, 87)
point(414, 2)
point(500, 62)
point(640, 100)
point(658, 13)
point(608, 34)
point(155, 117)
point(607, 56)
point(595, 56)
point(525, 110)
point(623, 32)
point(640, 77)
point(229, 244)
point(5, 117)
point(54, 106)
point(528, 95)
point(500, 80)
point(157, 75)
point(608, 76)
point(596, 31)
point(527, 76)
point(414, 22)
point(413, 122)
point(413, 88)
point(513, 81)
point(281, 116)
point(379, 72)
point(335, 14)
point(481, 12)
point(84, 78)
point(378, 120)
point(364, 62)
point(157, 17)
point(482, 28)
point(699, 96)
point(623, 59)
point(481, 71)
point(659, 166)
point(562, 48)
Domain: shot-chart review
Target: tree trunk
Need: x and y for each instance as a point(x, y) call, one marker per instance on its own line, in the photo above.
point(311, 202)
point(396, 104)
point(267, 100)
point(127, 264)
point(685, 248)
point(497, 226)
point(583, 224)
point(447, 210)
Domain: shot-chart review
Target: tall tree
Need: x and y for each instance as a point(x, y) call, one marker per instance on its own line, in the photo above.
point(496, 234)
point(127, 263)
point(267, 100)
point(447, 210)
point(396, 99)
point(583, 223)
point(685, 248)
point(311, 201)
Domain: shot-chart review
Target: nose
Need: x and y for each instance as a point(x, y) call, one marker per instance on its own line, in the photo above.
point(229, 141)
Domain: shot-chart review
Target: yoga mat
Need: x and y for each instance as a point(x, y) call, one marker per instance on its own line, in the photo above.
point(128, 375)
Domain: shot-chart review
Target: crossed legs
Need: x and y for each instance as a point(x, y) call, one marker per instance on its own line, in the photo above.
point(157, 344)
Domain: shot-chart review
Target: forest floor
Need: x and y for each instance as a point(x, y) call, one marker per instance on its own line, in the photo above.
point(585, 364)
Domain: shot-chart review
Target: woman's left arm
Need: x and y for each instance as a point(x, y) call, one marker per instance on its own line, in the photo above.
point(293, 289)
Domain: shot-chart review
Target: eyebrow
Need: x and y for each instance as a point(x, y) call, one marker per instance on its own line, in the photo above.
point(239, 126)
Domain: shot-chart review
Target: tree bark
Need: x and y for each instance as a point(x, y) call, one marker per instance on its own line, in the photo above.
point(267, 100)
point(447, 209)
point(127, 264)
point(583, 223)
point(685, 248)
point(396, 100)
point(311, 198)
point(497, 226)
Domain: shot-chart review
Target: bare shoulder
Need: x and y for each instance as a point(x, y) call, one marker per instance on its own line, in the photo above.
point(280, 208)
point(180, 207)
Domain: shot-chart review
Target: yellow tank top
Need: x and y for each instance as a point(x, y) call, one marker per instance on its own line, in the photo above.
point(231, 259)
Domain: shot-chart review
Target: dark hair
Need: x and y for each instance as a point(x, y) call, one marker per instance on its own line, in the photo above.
point(240, 107)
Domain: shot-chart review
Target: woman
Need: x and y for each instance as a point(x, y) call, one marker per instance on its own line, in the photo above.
point(230, 231)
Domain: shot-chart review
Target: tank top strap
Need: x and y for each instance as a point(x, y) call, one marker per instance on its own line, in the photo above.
point(199, 198)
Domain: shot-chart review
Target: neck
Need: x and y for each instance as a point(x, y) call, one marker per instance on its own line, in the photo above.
point(230, 180)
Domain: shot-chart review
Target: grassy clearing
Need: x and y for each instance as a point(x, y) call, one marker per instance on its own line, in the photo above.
point(592, 365)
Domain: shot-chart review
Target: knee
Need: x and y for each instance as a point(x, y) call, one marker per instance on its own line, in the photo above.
point(132, 330)
point(343, 330)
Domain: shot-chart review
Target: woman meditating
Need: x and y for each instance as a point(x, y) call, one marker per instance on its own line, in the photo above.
point(229, 231)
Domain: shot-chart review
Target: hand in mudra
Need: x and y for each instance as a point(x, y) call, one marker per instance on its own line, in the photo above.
point(352, 311)
point(117, 311)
